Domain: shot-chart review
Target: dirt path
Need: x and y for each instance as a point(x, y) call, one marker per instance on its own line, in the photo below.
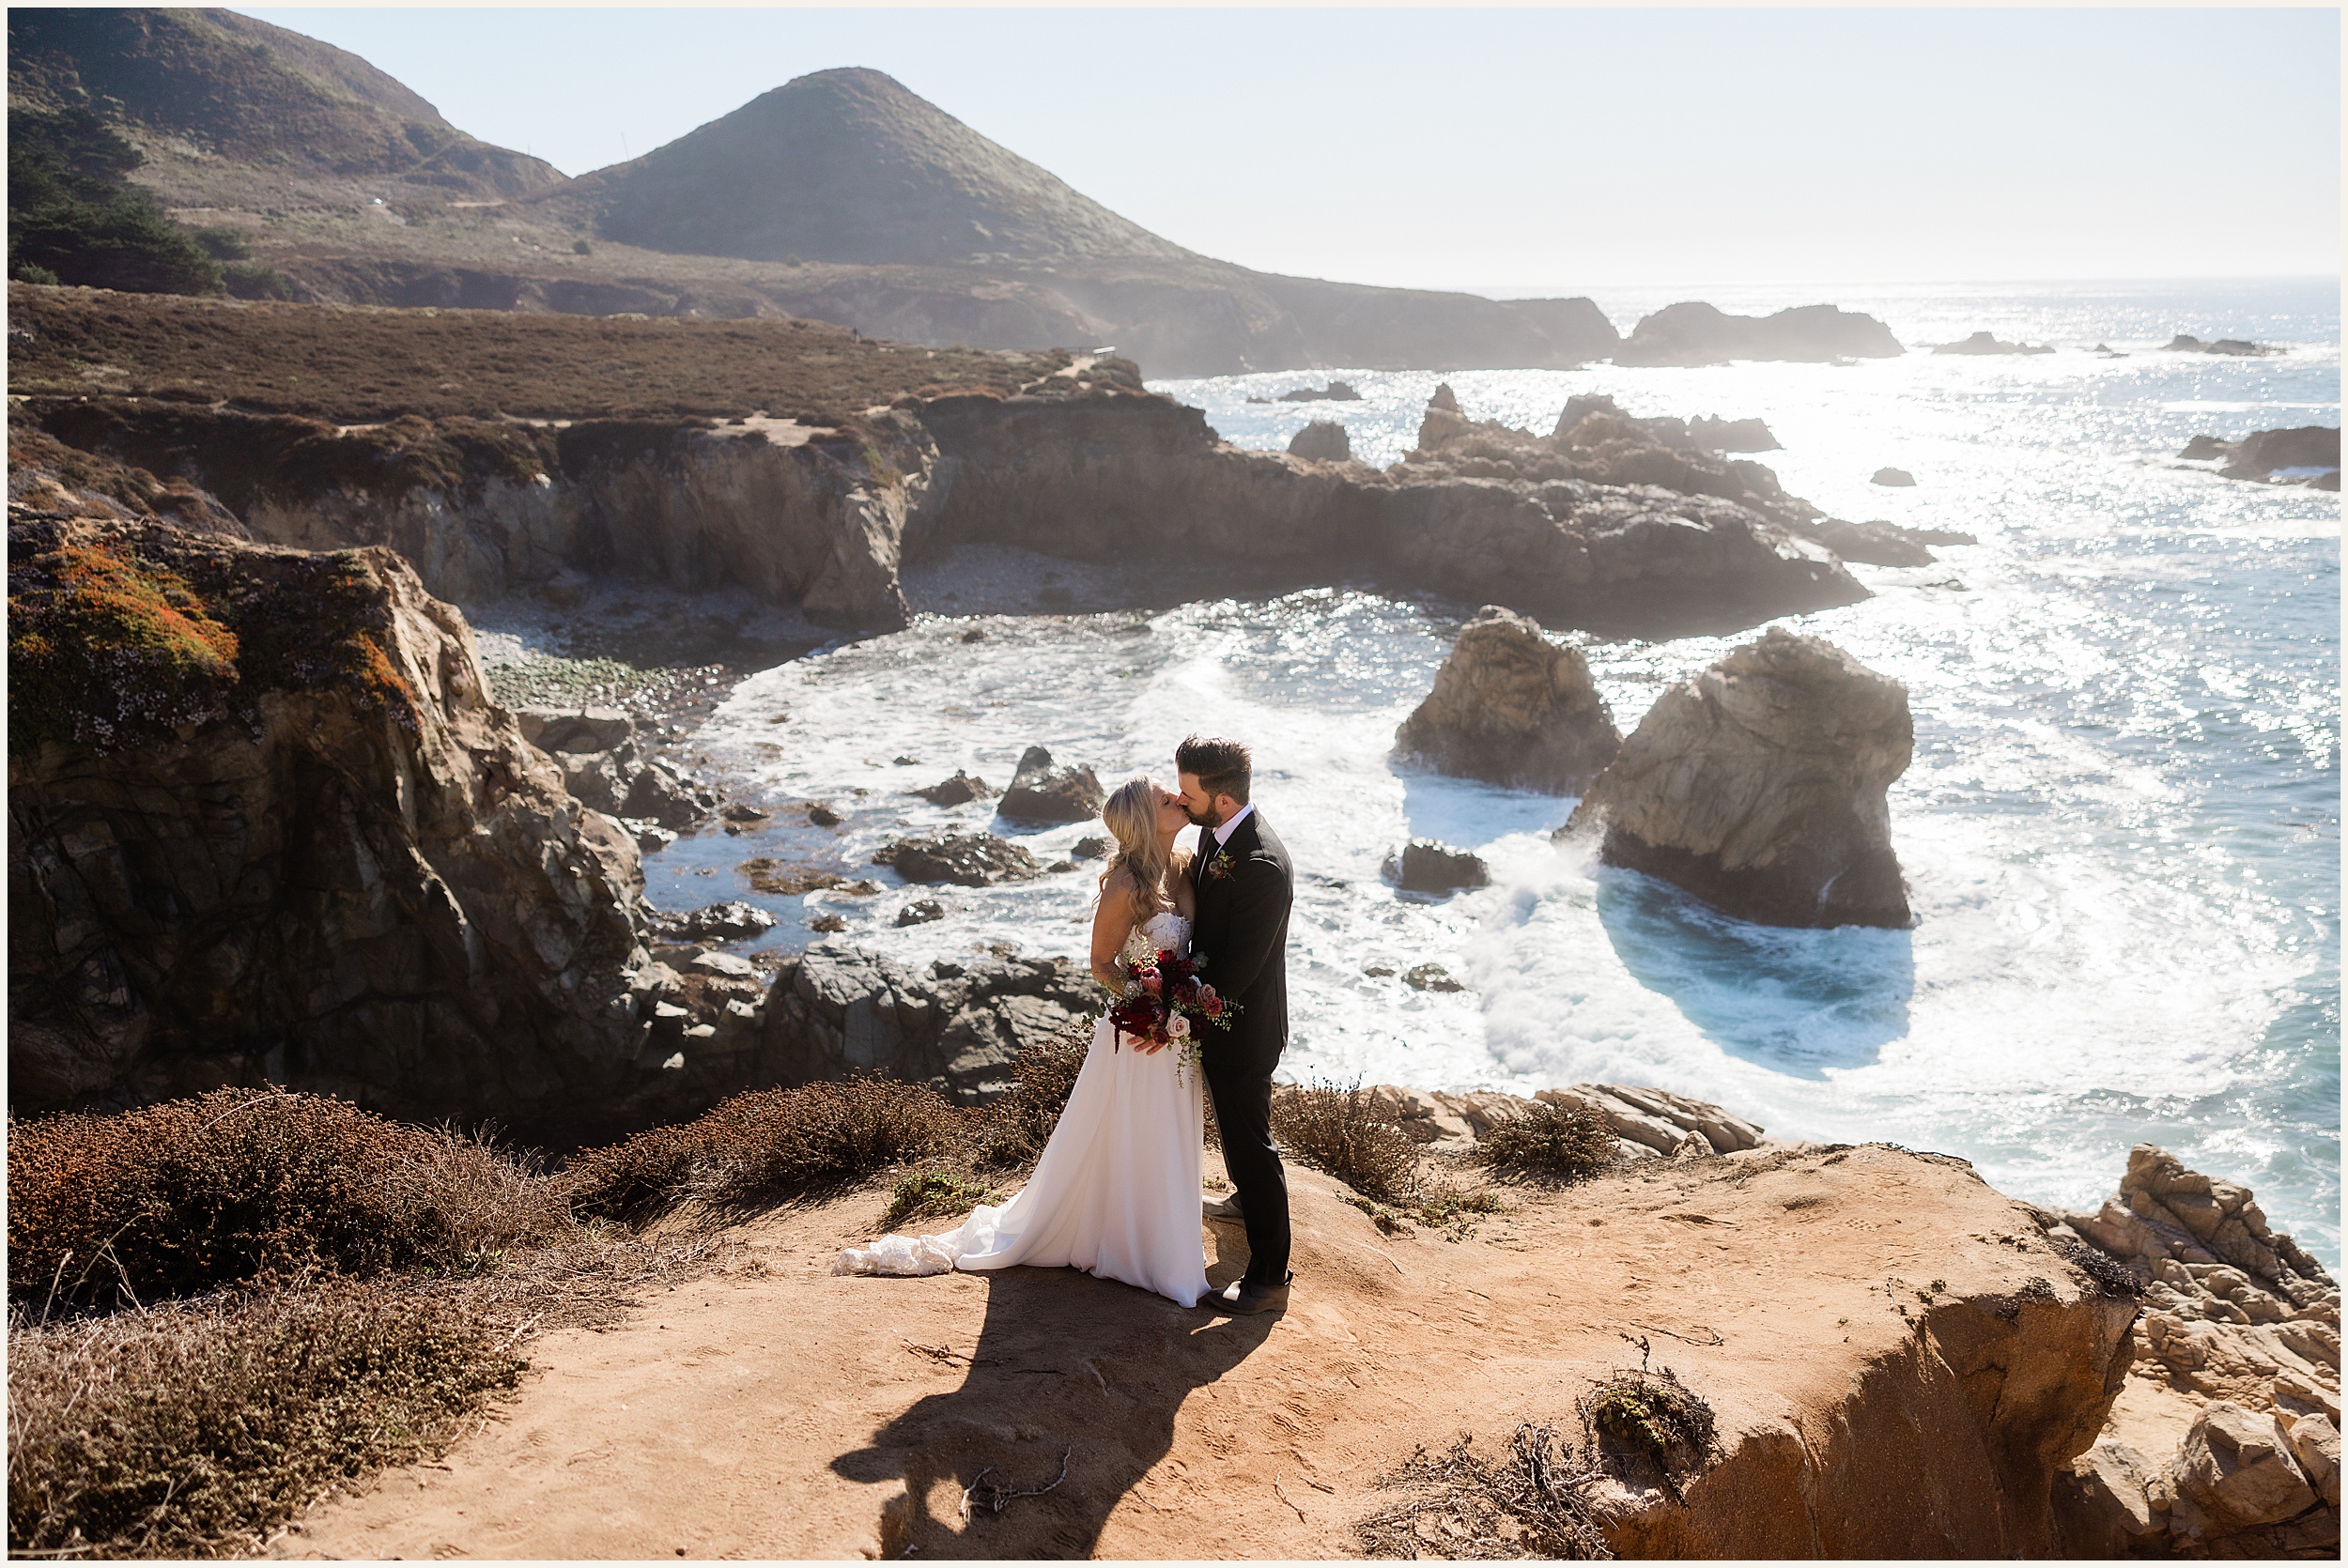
point(777, 1410)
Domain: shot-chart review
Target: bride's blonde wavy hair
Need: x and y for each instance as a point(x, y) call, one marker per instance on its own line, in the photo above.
point(1130, 816)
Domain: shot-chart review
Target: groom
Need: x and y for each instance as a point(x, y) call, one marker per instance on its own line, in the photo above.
point(1243, 883)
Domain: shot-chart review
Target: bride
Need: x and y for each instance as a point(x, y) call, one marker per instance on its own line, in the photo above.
point(1115, 1192)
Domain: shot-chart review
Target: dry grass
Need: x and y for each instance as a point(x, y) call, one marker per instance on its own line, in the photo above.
point(174, 1199)
point(1651, 1415)
point(1021, 1123)
point(769, 1145)
point(1350, 1133)
point(1531, 1502)
point(371, 365)
point(1561, 1143)
point(190, 1430)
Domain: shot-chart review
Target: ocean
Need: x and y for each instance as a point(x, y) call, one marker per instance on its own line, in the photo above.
point(2121, 830)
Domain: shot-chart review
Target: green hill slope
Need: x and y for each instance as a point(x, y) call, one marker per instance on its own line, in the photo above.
point(234, 89)
point(849, 166)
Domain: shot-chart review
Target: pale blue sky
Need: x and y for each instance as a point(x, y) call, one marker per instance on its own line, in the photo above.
point(1519, 148)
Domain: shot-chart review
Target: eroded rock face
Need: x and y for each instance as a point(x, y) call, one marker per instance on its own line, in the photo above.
point(834, 1010)
point(1759, 786)
point(329, 861)
point(1138, 477)
point(2233, 1427)
point(606, 768)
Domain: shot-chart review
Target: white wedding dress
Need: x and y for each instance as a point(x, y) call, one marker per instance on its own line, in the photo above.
point(1115, 1192)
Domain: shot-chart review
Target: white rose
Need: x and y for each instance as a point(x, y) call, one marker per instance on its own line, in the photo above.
point(1179, 1027)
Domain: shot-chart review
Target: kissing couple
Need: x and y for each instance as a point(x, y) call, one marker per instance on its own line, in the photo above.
point(1179, 938)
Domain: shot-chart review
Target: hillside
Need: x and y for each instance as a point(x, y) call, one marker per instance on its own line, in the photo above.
point(848, 166)
point(212, 85)
point(839, 195)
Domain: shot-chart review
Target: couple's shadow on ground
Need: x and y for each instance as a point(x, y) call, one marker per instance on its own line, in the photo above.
point(1066, 1366)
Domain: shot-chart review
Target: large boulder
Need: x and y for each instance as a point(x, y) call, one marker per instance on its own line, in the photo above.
point(835, 1010)
point(1428, 866)
point(1731, 434)
point(2236, 1470)
point(961, 790)
point(1512, 707)
point(1042, 792)
point(966, 860)
point(2311, 449)
point(607, 767)
point(1324, 441)
point(1759, 786)
point(269, 826)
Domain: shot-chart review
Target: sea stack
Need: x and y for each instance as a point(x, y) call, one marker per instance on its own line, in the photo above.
point(1512, 707)
point(1759, 788)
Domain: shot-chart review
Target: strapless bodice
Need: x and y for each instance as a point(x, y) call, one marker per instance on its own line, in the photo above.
point(1160, 933)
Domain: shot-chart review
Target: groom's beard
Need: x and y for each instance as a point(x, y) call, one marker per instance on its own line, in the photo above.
point(1209, 818)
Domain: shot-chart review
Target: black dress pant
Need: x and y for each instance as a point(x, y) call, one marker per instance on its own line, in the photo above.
point(1243, 1114)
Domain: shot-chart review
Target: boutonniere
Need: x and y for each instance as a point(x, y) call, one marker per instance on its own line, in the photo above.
point(1219, 869)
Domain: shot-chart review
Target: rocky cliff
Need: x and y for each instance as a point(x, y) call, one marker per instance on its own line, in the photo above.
point(1897, 1361)
point(819, 511)
point(266, 824)
point(2225, 1441)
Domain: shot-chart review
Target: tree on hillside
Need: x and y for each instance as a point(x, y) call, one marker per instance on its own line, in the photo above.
point(75, 216)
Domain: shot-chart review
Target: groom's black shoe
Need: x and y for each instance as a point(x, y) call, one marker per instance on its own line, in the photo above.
point(1246, 1297)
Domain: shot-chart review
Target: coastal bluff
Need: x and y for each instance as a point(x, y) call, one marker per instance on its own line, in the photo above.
point(1865, 1323)
point(809, 468)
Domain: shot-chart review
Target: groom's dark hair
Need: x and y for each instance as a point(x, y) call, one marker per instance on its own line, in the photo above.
point(1221, 767)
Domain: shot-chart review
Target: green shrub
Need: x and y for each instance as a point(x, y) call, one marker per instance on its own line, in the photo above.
point(250, 280)
point(222, 242)
point(1568, 1143)
point(190, 1430)
point(941, 1192)
point(73, 215)
point(33, 272)
point(766, 1145)
point(194, 1194)
point(1351, 1134)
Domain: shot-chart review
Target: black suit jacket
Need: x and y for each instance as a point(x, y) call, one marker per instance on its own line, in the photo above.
point(1241, 926)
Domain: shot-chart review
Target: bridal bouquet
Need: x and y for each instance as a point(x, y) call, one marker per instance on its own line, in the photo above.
point(1161, 1000)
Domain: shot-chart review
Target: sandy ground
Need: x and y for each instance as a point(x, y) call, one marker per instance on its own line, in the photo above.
point(778, 1411)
